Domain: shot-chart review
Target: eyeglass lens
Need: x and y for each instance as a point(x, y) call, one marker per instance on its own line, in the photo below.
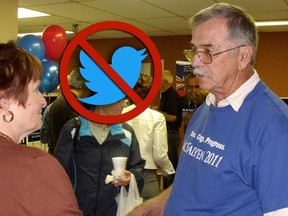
point(204, 56)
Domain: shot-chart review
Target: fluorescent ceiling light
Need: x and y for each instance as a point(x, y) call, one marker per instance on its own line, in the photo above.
point(271, 23)
point(26, 13)
point(38, 33)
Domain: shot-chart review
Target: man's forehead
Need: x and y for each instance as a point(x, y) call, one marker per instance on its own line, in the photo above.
point(209, 34)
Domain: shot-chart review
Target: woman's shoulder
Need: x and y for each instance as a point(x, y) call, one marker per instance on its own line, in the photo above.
point(37, 157)
point(20, 152)
point(25, 160)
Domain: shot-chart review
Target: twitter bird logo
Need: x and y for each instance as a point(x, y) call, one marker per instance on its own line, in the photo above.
point(126, 61)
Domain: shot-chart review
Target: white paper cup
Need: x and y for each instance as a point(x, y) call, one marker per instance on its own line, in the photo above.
point(119, 163)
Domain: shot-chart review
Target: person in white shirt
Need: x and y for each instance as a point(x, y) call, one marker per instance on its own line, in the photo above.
point(151, 132)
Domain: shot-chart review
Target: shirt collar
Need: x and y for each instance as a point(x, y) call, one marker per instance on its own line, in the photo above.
point(236, 99)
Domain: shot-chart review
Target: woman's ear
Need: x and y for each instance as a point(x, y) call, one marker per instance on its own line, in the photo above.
point(5, 105)
point(246, 53)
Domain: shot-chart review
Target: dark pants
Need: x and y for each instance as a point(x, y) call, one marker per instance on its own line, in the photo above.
point(173, 145)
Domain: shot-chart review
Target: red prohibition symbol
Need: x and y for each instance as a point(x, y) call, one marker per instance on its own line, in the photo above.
point(80, 40)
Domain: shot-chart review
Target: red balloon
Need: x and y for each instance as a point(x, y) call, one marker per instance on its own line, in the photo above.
point(54, 38)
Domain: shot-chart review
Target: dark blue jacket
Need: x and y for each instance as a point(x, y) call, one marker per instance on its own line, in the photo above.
point(93, 162)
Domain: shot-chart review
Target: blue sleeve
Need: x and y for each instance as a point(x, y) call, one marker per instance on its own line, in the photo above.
point(271, 179)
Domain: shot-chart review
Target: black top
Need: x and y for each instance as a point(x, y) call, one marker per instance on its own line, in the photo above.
point(187, 106)
point(89, 163)
point(171, 104)
point(59, 113)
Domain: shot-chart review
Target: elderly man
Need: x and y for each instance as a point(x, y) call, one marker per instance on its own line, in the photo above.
point(234, 156)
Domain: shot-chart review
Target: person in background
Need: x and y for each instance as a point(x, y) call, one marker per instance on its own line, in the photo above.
point(171, 108)
point(193, 99)
point(28, 174)
point(60, 111)
point(90, 162)
point(191, 83)
point(234, 155)
point(45, 136)
point(44, 132)
point(151, 132)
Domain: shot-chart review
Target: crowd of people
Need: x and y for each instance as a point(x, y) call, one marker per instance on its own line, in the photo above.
point(232, 160)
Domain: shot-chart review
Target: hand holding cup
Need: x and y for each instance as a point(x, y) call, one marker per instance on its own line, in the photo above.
point(119, 164)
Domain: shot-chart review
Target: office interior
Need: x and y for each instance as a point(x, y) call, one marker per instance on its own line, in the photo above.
point(271, 61)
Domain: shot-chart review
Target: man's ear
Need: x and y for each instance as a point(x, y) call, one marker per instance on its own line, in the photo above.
point(246, 53)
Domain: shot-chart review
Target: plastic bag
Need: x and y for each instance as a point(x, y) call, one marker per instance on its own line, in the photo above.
point(128, 201)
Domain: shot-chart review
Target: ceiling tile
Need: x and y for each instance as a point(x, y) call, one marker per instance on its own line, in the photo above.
point(129, 8)
point(260, 6)
point(76, 11)
point(154, 17)
point(166, 23)
point(182, 7)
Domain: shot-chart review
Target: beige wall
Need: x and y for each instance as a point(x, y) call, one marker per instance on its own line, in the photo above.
point(8, 21)
point(272, 61)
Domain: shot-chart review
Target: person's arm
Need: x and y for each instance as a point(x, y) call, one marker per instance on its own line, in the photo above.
point(168, 117)
point(152, 207)
point(280, 212)
point(171, 110)
point(272, 174)
point(160, 146)
point(135, 163)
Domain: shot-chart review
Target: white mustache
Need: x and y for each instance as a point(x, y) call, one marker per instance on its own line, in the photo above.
point(197, 71)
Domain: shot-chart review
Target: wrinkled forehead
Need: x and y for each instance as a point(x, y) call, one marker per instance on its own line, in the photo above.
point(210, 32)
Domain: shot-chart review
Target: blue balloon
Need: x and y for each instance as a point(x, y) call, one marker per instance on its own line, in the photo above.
point(33, 45)
point(50, 77)
point(45, 58)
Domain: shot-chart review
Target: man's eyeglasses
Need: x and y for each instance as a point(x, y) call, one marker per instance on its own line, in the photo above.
point(205, 56)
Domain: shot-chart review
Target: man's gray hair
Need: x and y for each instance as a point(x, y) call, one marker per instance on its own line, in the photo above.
point(76, 81)
point(241, 26)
